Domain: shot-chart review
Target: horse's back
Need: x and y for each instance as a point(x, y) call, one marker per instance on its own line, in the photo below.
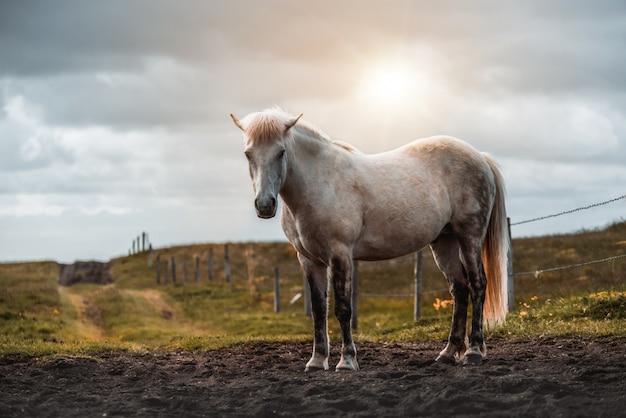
point(411, 193)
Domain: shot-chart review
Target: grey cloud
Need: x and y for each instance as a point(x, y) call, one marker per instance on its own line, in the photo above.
point(298, 49)
point(130, 100)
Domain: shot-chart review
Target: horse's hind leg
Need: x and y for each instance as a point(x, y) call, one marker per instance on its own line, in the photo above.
point(341, 273)
point(471, 253)
point(446, 253)
point(318, 283)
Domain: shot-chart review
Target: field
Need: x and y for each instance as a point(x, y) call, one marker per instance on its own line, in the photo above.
point(207, 345)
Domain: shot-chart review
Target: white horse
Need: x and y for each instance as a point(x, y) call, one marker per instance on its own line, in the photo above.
point(341, 205)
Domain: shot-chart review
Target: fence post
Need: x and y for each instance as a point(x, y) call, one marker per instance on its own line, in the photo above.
point(417, 309)
point(158, 269)
point(165, 268)
point(250, 263)
point(211, 264)
point(197, 269)
point(143, 241)
point(133, 247)
point(509, 267)
point(173, 270)
point(276, 290)
point(226, 263)
point(150, 256)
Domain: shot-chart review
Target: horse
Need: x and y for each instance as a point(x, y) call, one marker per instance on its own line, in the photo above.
point(340, 205)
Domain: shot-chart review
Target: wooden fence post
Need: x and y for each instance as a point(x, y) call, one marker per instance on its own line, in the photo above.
point(211, 264)
point(150, 256)
point(417, 273)
point(143, 241)
point(227, 263)
point(251, 278)
point(158, 269)
point(355, 294)
point(509, 267)
point(197, 269)
point(173, 270)
point(276, 290)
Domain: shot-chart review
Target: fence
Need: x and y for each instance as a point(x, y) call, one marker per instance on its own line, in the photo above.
point(260, 271)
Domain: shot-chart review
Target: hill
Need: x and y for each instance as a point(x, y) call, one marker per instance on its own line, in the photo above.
point(135, 312)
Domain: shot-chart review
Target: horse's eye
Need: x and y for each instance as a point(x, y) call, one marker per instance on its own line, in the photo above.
point(247, 154)
point(281, 153)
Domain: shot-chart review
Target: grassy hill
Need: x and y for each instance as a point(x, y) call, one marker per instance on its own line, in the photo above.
point(37, 316)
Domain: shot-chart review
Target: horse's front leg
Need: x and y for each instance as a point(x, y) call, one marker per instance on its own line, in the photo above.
point(341, 274)
point(318, 283)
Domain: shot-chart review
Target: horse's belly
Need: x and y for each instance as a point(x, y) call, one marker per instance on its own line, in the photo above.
point(394, 242)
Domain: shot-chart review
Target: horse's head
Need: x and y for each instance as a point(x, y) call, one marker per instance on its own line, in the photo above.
point(265, 135)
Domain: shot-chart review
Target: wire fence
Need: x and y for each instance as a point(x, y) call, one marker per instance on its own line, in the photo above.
point(536, 273)
point(258, 271)
point(569, 211)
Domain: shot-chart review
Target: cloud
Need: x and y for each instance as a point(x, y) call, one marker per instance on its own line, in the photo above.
point(115, 114)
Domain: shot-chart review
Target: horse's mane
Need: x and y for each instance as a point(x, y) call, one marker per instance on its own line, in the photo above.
point(266, 125)
point(270, 123)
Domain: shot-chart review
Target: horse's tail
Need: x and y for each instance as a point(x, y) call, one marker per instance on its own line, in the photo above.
point(495, 253)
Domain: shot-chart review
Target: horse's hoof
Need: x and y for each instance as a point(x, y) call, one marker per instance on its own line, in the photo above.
point(445, 360)
point(473, 359)
point(348, 366)
point(317, 362)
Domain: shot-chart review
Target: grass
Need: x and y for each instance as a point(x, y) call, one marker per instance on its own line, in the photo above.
point(37, 317)
point(595, 314)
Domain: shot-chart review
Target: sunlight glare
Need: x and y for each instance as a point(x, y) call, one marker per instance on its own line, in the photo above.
point(393, 84)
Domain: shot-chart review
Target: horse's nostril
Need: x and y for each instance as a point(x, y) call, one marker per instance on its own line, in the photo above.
point(266, 207)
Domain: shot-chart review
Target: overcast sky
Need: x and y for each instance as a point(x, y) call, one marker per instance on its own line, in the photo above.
point(114, 114)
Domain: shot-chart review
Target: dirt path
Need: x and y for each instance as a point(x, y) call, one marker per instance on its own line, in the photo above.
point(540, 377)
point(89, 320)
point(154, 298)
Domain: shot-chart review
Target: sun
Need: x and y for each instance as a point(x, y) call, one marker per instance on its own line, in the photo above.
point(390, 84)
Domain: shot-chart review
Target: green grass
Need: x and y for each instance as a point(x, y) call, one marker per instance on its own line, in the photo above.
point(600, 314)
point(134, 313)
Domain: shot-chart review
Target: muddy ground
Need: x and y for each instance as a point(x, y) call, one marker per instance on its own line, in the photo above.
point(539, 377)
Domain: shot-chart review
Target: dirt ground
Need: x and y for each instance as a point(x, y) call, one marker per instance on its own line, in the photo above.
point(540, 377)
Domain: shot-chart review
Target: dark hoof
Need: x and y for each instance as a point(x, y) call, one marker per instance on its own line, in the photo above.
point(473, 359)
point(445, 360)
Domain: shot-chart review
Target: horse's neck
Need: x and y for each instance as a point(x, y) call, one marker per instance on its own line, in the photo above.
point(307, 157)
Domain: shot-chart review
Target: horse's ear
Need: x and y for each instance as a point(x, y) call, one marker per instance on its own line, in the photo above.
point(239, 125)
point(290, 124)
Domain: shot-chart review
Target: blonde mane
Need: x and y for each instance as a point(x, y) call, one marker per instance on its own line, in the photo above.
point(270, 123)
point(267, 125)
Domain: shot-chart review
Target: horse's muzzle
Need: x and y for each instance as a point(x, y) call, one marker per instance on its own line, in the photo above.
point(265, 208)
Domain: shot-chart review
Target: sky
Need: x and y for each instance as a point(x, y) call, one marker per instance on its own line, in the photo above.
point(114, 115)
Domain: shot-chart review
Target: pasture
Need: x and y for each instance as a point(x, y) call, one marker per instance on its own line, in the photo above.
point(218, 349)
point(39, 317)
